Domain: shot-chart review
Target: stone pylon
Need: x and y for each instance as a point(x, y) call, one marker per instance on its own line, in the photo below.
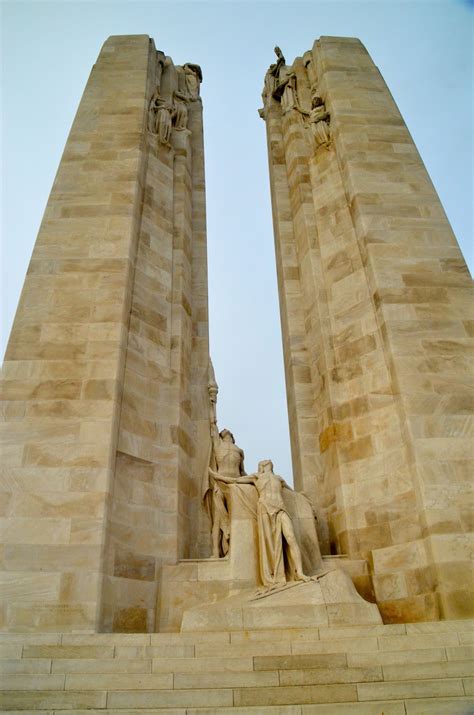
point(105, 412)
point(376, 302)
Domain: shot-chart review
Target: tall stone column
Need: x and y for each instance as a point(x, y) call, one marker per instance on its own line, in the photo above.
point(99, 417)
point(374, 297)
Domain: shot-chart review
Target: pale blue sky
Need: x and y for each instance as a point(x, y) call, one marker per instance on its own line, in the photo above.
point(424, 51)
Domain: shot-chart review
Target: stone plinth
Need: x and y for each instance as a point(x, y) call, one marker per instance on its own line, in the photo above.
point(328, 601)
point(192, 583)
point(219, 594)
point(197, 582)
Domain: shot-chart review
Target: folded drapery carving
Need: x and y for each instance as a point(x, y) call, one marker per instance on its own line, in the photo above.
point(176, 87)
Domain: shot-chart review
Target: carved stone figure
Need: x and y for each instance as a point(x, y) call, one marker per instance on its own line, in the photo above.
point(318, 118)
point(163, 122)
point(276, 68)
point(212, 389)
point(153, 110)
point(229, 457)
point(189, 78)
point(193, 78)
point(279, 552)
point(226, 459)
point(160, 114)
point(169, 79)
point(220, 522)
point(311, 70)
point(289, 98)
point(175, 88)
point(272, 78)
point(160, 64)
point(180, 120)
point(229, 464)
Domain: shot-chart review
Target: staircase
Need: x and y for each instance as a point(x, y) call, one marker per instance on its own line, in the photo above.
point(390, 670)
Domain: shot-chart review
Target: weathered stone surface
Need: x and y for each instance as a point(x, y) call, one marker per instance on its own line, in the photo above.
point(376, 301)
point(104, 398)
point(93, 673)
point(105, 371)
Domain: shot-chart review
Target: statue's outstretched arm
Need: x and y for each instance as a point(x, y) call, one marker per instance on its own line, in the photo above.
point(230, 480)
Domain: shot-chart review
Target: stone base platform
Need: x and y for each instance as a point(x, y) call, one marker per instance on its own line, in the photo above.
point(194, 582)
point(364, 670)
point(330, 600)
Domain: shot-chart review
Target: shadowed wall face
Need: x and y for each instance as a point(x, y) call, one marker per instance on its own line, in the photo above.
point(374, 298)
point(105, 379)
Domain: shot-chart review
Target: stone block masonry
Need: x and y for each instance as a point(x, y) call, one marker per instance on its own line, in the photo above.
point(104, 400)
point(107, 364)
point(391, 669)
point(376, 308)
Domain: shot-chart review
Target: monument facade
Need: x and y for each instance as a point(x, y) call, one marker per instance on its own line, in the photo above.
point(126, 509)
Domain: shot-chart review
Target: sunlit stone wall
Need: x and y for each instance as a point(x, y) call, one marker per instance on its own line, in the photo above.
point(375, 304)
point(104, 388)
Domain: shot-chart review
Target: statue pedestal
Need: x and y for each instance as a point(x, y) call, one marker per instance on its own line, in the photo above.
point(330, 600)
point(194, 582)
point(220, 594)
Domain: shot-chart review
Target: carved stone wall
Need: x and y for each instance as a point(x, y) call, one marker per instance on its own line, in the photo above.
point(105, 379)
point(375, 306)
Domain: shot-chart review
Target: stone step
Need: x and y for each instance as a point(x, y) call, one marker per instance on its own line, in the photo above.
point(465, 629)
point(441, 706)
point(249, 697)
point(25, 665)
point(102, 678)
point(296, 669)
point(398, 670)
point(207, 649)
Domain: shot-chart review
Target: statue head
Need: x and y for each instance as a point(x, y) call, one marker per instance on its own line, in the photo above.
point(227, 436)
point(266, 465)
point(278, 53)
point(195, 69)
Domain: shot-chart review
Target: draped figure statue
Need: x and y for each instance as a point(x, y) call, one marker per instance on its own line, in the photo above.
point(319, 122)
point(176, 88)
point(278, 550)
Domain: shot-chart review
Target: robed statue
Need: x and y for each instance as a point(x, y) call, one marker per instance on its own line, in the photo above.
point(278, 550)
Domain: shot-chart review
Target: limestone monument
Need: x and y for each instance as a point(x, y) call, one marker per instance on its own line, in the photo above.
point(126, 509)
point(375, 300)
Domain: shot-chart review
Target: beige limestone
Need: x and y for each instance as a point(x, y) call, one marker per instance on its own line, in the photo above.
point(105, 416)
point(105, 374)
point(375, 302)
point(195, 681)
point(458, 706)
point(95, 665)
